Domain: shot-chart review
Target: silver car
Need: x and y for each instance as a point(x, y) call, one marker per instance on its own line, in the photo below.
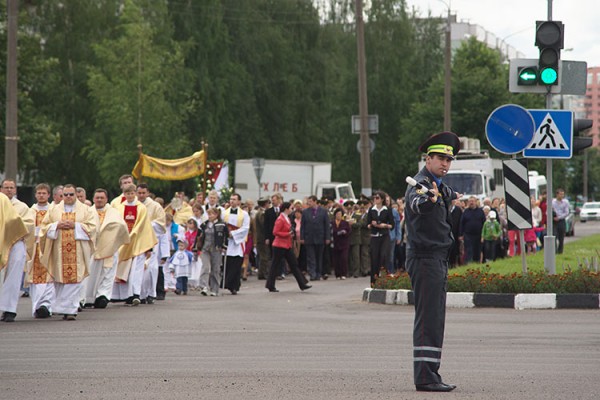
point(590, 211)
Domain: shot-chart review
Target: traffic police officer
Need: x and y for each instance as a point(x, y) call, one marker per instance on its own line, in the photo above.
point(429, 234)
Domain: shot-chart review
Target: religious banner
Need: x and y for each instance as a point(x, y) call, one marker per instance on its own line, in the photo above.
point(170, 170)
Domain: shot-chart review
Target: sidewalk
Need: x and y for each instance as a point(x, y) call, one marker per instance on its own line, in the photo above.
point(523, 301)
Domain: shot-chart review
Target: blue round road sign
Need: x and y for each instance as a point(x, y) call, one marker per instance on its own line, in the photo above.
point(510, 128)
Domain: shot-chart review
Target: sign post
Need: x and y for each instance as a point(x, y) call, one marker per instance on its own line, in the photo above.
point(259, 166)
point(509, 129)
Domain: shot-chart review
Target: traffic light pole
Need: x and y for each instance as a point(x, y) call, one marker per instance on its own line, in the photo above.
point(549, 239)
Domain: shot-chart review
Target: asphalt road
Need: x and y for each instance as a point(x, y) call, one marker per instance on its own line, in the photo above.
point(321, 344)
point(584, 229)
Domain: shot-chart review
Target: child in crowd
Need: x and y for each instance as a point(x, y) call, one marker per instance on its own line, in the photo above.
point(191, 237)
point(181, 264)
point(490, 233)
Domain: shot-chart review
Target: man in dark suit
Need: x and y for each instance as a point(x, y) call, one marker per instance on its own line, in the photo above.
point(455, 215)
point(315, 233)
point(271, 215)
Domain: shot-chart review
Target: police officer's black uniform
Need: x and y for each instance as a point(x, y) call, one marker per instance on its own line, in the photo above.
point(430, 239)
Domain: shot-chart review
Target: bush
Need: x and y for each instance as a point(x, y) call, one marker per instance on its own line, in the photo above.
point(582, 280)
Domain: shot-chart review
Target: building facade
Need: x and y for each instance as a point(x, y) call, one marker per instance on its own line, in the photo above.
point(591, 103)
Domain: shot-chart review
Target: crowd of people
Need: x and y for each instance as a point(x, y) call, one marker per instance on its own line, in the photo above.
point(78, 253)
point(483, 231)
point(67, 252)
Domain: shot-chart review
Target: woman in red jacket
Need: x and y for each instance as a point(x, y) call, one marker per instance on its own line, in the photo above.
point(282, 248)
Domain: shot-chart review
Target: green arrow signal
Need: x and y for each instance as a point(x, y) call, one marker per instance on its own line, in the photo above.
point(527, 76)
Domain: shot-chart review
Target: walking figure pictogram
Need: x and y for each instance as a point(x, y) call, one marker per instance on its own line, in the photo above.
point(547, 133)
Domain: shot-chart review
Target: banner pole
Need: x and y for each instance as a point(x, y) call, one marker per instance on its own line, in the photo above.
point(140, 153)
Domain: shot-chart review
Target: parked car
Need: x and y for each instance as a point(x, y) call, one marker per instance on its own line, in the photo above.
point(570, 223)
point(590, 211)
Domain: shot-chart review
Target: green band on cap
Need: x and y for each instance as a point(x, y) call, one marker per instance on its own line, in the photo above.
point(441, 148)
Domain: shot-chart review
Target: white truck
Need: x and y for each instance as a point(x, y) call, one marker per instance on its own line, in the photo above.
point(474, 172)
point(293, 179)
point(537, 184)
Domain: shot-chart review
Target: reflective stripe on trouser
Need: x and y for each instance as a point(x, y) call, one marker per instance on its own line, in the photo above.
point(429, 281)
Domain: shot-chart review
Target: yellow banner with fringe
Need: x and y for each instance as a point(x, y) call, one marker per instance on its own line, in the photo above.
point(170, 170)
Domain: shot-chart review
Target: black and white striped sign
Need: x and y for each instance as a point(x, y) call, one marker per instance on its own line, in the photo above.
point(516, 193)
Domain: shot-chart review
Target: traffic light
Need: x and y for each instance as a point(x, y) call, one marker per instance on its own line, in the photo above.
point(581, 142)
point(549, 38)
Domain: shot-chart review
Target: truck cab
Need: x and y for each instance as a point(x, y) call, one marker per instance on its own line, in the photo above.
point(471, 183)
point(339, 191)
point(537, 184)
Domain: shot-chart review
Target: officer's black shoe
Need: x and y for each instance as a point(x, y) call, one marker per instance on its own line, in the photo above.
point(435, 387)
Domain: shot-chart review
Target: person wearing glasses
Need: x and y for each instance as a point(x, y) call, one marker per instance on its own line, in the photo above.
point(430, 240)
point(379, 220)
point(69, 231)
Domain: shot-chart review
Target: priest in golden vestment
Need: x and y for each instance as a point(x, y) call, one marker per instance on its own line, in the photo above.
point(112, 233)
point(69, 231)
point(41, 286)
point(180, 209)
point(12, 252)
point(132, 256)
point(14, 274)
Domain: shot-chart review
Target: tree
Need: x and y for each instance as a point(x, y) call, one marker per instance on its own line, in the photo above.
point(140, 92)
point(38, 133)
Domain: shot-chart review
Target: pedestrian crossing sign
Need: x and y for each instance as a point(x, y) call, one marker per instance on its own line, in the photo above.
point(553, 136)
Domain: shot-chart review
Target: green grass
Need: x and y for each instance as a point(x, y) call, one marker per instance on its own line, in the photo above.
point(575, 254)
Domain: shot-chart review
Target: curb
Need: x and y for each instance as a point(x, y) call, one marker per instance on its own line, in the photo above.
point(522, 301)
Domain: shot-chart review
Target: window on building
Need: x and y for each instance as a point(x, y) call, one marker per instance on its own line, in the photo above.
point(590, 78)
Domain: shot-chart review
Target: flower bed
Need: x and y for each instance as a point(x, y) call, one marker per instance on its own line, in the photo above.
point(581, 280)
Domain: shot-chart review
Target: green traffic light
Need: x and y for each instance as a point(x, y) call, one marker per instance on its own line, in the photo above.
point(548, 76)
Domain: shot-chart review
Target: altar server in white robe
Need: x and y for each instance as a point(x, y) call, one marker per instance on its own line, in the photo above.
point(156, 214)
point(238, 223)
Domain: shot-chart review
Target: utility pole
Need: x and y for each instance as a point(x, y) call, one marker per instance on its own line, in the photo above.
point(549, 239)
point(365, 148)
point(448, 76)
point(12, 136)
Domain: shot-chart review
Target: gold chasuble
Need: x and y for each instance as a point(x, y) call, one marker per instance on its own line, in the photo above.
point(28, 217)
point(12, 228)
point(156, 214)
point(112, 234)
point(180, 210)
point(67, 258)
point(141, 236)
point(37, 273)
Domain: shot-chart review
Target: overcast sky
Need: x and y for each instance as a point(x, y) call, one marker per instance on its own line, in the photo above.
point(514, 20)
